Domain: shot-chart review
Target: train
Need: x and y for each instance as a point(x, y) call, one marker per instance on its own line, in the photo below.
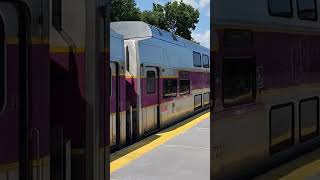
point(158, 79)
point(265, 82)
point(46, 60)
point(56, 89)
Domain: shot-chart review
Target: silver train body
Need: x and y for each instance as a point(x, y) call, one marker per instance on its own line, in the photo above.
point(265, 106)
point(159, 81)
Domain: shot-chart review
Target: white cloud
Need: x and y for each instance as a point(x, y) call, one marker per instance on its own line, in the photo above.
point(204, 3)
point(203, 38)
point(197, 4)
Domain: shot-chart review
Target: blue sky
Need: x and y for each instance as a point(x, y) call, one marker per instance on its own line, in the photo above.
point(202, 32)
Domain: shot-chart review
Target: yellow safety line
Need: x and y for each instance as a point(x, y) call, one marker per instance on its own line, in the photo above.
point(126, 155)
point(304, 172)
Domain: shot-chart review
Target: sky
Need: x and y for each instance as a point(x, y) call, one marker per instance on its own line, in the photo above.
point(202, 32)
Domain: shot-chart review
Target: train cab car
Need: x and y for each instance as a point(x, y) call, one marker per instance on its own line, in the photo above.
point(167, 77)
point(266, 92)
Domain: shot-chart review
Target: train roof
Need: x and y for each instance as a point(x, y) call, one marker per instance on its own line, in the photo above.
point(116, 46)
point(254, 14)
point(141, 30)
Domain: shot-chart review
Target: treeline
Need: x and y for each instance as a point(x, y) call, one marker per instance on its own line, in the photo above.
point(176, 17)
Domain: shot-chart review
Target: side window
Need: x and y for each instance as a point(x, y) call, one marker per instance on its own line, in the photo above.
point(307, 9)
point(2, 66)
point(198, 101)
point(197, 59)
point(239, 81)
point(151, 82)
point(206, 98)
point(169, 88)
point(184, 85)
point(205, 60)
point(127, 58)
point(280, 8)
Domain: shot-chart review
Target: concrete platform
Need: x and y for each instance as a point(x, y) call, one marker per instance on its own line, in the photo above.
point(179, 152)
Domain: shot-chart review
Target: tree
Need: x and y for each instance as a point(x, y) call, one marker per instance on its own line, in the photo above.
point(155, 17)
point(176, 17)
point(124, 10)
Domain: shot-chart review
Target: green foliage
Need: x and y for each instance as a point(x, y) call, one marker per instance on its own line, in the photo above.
point(155, 17)
point(124, 10)
point(176, 17)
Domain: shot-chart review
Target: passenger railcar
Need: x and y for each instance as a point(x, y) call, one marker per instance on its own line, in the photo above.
point(44, 84)
point(166, 79)
point(267, 83)
point(24, 93)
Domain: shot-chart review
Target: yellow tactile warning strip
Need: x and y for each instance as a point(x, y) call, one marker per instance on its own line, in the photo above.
point(302, 168)
point(133, 152)
point(304, 172)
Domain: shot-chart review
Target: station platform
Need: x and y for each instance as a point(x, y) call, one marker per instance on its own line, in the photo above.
point(306, 167)
point(180, 152)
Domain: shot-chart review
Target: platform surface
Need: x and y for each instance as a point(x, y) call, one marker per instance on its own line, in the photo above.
point(306, 167)
point(179, 152)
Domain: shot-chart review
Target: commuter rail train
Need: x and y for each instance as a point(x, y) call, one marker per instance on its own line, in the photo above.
point(267, 84)
point(43, 87)
point(160, 79)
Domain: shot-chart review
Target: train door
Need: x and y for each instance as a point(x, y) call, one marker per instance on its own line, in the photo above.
point(114, 106)
point(14, 121)
point(150, 99)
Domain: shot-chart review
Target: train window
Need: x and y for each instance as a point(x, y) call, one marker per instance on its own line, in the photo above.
point(206, 98)
point(239, 82)
point(169, 88)
point(2, 67)
point(184, 85)
point(307, 9)
point(280, 8)
point(308, 118)
point(198, 101)
point(197, 59)
point(205, 60)
point(281, 123)
point(127, 58)
point(151, 82)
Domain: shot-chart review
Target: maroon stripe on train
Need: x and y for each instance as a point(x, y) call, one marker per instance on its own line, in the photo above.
point(68, 104)
point(39, 75)
point(122, 95)
point(9, 119)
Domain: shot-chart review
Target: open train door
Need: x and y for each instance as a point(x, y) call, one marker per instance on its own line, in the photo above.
point(150, 100)
point(14, 86)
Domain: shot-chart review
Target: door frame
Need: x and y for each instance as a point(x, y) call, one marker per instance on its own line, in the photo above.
point(24, 35)
point(157, 69)
point(115, 94)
